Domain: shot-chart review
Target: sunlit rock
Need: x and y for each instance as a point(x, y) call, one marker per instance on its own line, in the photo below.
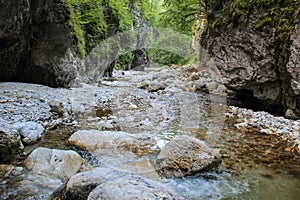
point(52, 162)
point(184, 156)
point(103, 142)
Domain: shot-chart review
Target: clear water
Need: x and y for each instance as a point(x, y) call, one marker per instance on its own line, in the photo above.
point(246, 174)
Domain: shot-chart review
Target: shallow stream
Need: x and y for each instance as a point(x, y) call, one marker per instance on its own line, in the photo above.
point(254, 166)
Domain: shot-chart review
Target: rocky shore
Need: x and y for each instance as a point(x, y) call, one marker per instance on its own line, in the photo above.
point(124, 130)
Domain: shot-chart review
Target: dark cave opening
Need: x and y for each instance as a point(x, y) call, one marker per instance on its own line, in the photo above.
point(246, 99)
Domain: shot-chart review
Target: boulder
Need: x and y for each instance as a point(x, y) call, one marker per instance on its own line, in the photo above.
point(115, 149)
point(55, 163)
point(108, 142)
point(11, 147)
point(105, 183)
point(29, 131)
point(184, 156)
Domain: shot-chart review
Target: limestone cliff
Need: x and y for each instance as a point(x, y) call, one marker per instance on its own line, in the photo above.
point(35, 42)
point(254, 52)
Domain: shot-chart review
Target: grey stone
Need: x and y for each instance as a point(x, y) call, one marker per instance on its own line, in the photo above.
point(105, 183)
point(184, 156)
point(103, 142)
point(30, 131)
point(52, 162)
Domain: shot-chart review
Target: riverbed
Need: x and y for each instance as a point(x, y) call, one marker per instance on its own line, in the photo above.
point(257, 163)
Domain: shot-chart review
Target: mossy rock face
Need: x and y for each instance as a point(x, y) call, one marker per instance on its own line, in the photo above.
point(251, 42)
point(94, 20)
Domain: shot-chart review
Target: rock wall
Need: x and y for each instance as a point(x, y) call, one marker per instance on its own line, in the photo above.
point(293, 68)
point(140, 58)
point(36, 43)
point(254, 62)
point(14, 36)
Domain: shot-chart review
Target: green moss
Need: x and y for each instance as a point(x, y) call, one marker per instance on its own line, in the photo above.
point(119, 9)
point(87, 20)
point(78, 32)
point(277, 14)
point(91, 20)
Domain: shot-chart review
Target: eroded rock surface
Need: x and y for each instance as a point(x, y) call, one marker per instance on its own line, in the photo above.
point(254, 62)
point(184, 156)
point(293, 68)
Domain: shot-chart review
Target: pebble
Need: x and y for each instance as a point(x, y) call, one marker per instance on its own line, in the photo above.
point(265, 123)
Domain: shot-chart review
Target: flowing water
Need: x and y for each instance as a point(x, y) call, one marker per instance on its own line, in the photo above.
point(254, 166)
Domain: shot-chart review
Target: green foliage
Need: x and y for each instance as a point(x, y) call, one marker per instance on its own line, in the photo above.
point(124, 60)
point(170, 47)
point(91, 19)
point(79, 33)
point(95, 20)
point(162, 57)
point(120, 10)
point(151, 10)
point(88, 22)
point(179, 15)
point(233, 13)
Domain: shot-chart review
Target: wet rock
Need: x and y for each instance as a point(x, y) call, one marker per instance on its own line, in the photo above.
point(52, 162)
point(248, 121)
point(30, 131)
point(184, 156)
point(11, 148)
point(143, 167)
point(7, 171)
point(132, 187)
point(104, 183)
point(103, 142)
